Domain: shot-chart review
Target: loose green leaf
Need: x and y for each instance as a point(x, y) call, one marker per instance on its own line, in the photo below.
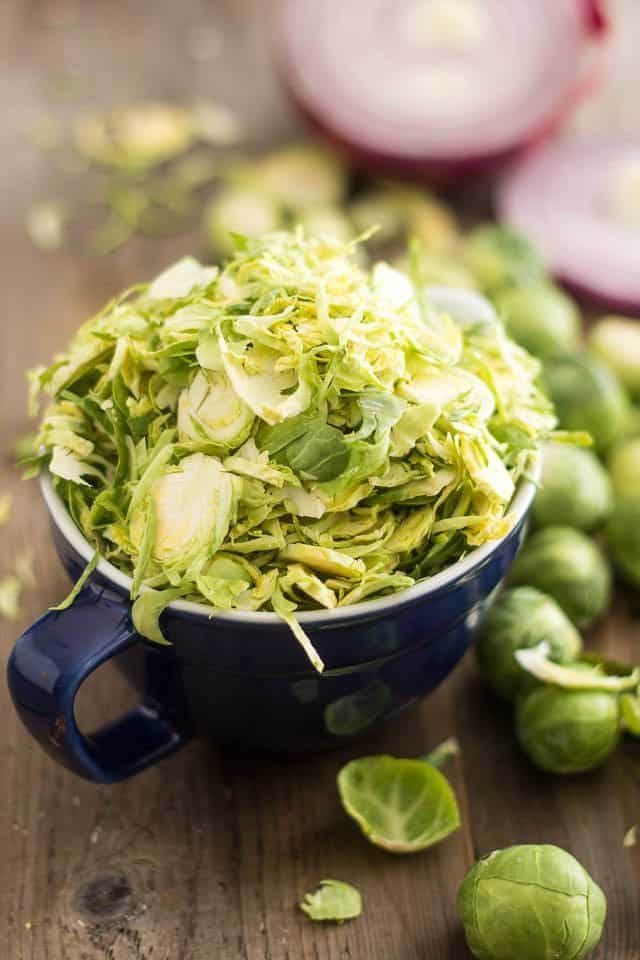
point(321, 454)
point(148, 608)
point(400, 805)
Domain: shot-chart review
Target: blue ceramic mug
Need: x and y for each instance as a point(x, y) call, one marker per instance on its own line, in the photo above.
point(241, 676)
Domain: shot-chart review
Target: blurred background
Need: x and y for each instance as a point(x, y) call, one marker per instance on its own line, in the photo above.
point(135, 133)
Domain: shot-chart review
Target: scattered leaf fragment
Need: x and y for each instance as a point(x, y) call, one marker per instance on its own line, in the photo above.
point(631, 836)
point(5, 506)
point(135, 138)
point(579, 675)
point(45, 225)
point(24, 568)
point(196, 169)
point(10, 590)
point(333, 900)
point(444, 752)
point(216, 124)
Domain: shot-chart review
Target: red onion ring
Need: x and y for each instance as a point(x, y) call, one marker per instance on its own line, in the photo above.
point(568, 198)
point(398, 97)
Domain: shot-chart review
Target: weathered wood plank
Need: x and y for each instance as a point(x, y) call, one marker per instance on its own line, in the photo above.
point(207, 856)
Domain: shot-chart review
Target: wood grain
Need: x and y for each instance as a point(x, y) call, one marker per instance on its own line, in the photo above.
point(206, 857)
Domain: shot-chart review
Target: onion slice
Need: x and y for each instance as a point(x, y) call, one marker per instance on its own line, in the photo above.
point(432, 88)
point(578, 201)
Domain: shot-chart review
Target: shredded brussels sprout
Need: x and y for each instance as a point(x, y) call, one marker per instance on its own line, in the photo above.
point(290, 432)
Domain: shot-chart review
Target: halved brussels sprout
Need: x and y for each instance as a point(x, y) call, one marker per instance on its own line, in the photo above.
point(574, 490)
point(210, 410)
point(189, 509)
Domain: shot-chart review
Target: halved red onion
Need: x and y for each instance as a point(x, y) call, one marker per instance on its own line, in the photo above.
point(435, 88)
point(578, 201)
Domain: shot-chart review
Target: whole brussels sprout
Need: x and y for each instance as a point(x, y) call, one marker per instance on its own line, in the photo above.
point(616, 341)
point(500, 257)
point(521, 618)
point(327, 222)
point(541, 318)
point(444, 269)
point(574, 489)
point(624, 468)
point(238, 209)
point(531, 902)
point(623, 537)
point(568, 566)
point(587, 396)
point(568, 731)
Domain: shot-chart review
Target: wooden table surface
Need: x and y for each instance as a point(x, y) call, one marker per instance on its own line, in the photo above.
point(206, 856)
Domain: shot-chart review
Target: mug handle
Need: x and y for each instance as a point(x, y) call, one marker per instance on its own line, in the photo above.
point(50, 662)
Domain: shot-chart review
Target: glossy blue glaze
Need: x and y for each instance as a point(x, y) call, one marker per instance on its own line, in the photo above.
point(250, 683)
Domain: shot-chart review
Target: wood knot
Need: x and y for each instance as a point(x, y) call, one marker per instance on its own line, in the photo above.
point(109, 896)
point(105, 896)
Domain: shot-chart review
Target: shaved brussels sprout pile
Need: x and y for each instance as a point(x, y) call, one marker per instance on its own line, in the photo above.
point(288, 432)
